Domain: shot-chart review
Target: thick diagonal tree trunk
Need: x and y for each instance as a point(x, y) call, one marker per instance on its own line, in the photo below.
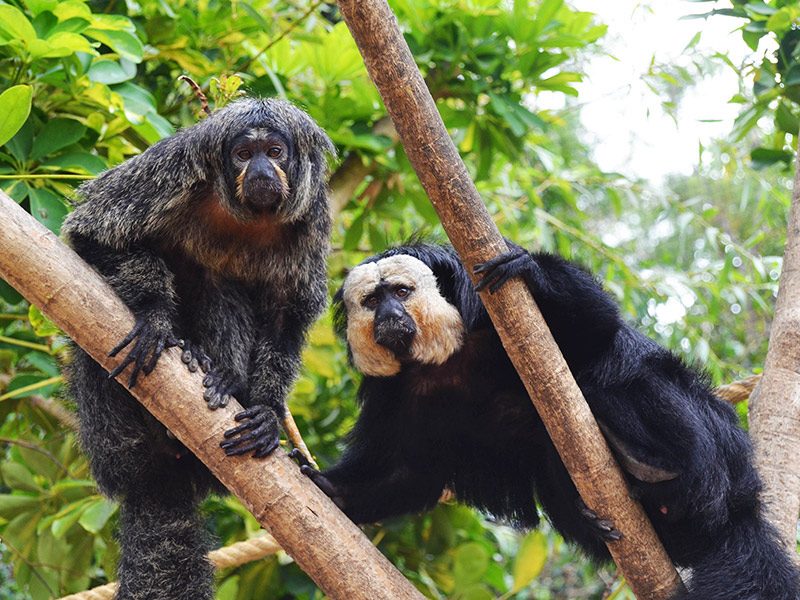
point(775, 403)
point(522, 329)
point(323, 541)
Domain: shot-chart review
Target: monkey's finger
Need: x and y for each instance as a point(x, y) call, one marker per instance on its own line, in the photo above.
point(266, 450)
point(237, 430)
point(151, 364)
point(250, 413)
point(498, 260)
point(216, 400)
point(238, 451)
point(121, 366)
point(499, 282)
point(487, 279)
point(322, 482)
point(225, 400)
point(252, 435)
point(210, 380)
point(127, 339)
point(299, 458)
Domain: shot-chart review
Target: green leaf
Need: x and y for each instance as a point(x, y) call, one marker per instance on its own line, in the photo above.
point(77, 162)
point(108, 71)
point(61, 44)
point(530, 560)
point(470, 563)
point(15, 106)
point(48, 209)
point(14, 25)
point(39, 6)
point(9, 294)
point(17, 477)
point(96, 516)
point(123, 43)
point(780, 21)
point(13, 504)
point(56, 135)
point(42, 326)
point(766, 157)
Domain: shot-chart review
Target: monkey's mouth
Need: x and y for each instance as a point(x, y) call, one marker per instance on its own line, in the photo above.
point(396, 335)
point(263, 195)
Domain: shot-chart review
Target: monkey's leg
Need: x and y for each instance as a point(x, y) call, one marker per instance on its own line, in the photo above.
point(164, 543)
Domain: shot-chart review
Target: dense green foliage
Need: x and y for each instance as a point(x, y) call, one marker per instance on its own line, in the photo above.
point(84, 85)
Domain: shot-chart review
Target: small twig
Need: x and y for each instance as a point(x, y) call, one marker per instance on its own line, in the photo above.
point(738, 391)
point(293, 433)
point(25, 344)
point(29, 388)
point(35, 448)
point(54, 409)
point(197, 92)
point(294, 25)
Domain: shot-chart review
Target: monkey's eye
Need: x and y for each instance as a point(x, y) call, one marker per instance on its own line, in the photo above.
point(244, 154)
point(371, 301)
point(274, 151)
point(402, 292)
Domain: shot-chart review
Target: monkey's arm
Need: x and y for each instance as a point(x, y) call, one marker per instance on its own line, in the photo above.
point(374, 479)
point(146, 285)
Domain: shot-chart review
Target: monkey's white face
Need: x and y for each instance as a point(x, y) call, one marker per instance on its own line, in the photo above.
point(411, 286)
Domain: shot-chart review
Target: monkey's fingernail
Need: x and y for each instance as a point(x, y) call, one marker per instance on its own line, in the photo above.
point(181, 343)
point(193, 365)
point(186, 356)
point(208, 394)
point(225, 400)
point(208, 380)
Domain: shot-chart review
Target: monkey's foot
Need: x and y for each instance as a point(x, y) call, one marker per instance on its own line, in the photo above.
point(152, 338)
point(259, 433)
point(220, 387)
point(496, 272)
point(194, 357)
point(603, 527)
point(323, 483)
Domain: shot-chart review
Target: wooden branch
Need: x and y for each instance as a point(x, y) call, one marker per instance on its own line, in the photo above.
point(738, 391)
point(524, 333)
point(323, 541)
point(775, 403)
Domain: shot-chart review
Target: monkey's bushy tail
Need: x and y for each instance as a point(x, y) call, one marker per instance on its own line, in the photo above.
point(748, 563)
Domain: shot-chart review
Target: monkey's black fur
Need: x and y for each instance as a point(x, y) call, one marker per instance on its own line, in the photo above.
point(216, 238)
point(469, 426)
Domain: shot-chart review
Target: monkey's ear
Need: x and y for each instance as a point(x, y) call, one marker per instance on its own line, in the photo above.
point(639, 469)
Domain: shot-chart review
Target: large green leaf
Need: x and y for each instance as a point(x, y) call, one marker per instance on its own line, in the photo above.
point(530, 559)
point(15, 106)
point(48, 209)
point(56, 135)
point(14, 25)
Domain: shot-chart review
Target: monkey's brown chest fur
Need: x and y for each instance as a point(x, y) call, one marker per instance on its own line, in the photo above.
point(231, 247)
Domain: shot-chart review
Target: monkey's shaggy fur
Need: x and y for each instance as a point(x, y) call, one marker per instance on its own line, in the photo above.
point(463, 421)
point(193, 259)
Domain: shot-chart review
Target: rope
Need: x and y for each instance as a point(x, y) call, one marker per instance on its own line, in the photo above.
point(234, 555)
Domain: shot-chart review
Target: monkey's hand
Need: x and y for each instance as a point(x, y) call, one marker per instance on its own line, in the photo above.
point(496, 272)
point(259, 433)
point(322, 482)
point(153, 335)
point(220, 387)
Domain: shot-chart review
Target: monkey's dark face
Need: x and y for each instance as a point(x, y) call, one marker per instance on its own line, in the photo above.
point(259, 158)
point(396, 314)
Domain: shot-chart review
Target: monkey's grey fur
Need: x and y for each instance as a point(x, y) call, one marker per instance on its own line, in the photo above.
point(236, 278)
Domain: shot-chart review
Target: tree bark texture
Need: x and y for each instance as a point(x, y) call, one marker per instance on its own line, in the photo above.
point(522, 329)
point(775, 403)
point(323, 541)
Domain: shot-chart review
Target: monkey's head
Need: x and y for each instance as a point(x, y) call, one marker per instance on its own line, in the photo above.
point(272, 157)
point(393, 313)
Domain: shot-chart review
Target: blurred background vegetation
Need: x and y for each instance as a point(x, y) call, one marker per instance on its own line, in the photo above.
point(693, 261)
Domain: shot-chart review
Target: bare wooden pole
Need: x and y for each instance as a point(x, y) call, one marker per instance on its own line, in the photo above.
point(323, 541)
point(522, 329)
point(775, 403)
